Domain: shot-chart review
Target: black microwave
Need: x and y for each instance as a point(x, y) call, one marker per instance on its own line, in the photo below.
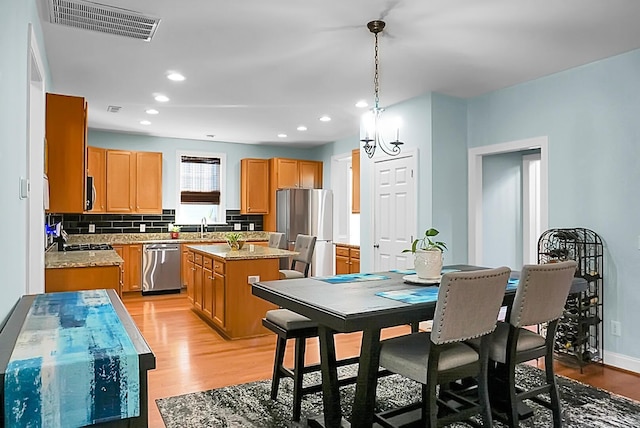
point(91, 194)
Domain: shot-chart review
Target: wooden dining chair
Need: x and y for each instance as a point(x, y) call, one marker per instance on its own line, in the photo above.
point(540, 299)
point(467, 307)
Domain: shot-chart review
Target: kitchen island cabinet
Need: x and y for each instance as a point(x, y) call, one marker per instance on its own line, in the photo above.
point(221, 290)
point(82, 270)
point(131, 266)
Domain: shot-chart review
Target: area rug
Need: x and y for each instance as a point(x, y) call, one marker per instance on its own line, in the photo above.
point(248, 405)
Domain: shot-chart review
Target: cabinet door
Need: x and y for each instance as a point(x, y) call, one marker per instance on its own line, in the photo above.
point(121, 171)
point(309, 174)
point(287, 173)
point(148, 182)
point(197, 287)
point(124, 283)
point(191, 270)
point(96, 168)
point(355, 181)
point(134, 266)
point(207, 292)
point(66, 135)
point(342, 265)
point(219, 300)
point(254, 186)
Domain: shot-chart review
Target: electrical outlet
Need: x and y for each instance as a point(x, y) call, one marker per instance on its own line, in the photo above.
point(92, 228)
point(252, 226)
point(237, 226)
point(616, 328)
point(253, 278)
point(143, 227)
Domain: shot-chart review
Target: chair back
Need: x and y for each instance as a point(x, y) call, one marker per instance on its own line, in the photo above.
point(305, 245)
point(468, 304)
point(277, 240)
point(542, 293)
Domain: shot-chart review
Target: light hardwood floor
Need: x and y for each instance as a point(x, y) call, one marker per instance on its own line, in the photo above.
point(191, 356)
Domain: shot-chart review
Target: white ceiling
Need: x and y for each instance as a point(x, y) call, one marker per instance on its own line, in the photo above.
point(256, 68)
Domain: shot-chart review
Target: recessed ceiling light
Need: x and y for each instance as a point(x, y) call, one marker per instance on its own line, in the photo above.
point(176, 77)
point(362, 104)
point(145, 122)
point(282, 135)
point(161, 98)
point(152, 111)
point(325, 118)
point(301, 128)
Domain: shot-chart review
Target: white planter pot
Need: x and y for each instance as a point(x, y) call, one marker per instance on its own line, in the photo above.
point(428, 264)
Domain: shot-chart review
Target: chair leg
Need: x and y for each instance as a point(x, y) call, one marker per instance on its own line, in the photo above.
point(512, 399)
point(429, 405)
point(281, 346)
point(301, 344)
point(554, 394)
point(483, 394)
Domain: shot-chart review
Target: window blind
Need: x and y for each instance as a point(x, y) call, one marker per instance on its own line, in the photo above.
point(199, 180)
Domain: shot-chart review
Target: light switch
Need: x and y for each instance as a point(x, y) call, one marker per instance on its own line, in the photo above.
point(24, 188)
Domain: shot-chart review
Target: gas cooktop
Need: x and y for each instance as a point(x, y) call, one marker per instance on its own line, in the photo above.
point(87, 247)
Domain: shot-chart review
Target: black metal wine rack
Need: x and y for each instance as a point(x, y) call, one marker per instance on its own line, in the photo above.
point(580, 330)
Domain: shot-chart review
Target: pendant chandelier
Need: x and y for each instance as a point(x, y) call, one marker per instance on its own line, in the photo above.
point(372, 138)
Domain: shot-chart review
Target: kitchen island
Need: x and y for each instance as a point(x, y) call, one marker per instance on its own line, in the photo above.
point(219, 286)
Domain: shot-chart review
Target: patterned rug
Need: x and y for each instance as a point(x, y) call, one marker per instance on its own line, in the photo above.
point(248, 405)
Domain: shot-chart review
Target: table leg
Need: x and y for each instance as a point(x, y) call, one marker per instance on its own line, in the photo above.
point(365, 398)
point(329, 368)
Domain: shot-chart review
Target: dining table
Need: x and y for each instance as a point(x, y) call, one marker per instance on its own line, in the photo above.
point(366, 303)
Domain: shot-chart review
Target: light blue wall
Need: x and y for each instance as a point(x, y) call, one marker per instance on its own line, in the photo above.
point(169, 146)
point(15, 16)
point(502, 208)
point(449, 173)
point(590, 115)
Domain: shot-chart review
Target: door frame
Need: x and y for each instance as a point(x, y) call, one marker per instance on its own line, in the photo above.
point(474, 192)
point(340, 165)
point(413, 155)
point(529, 201)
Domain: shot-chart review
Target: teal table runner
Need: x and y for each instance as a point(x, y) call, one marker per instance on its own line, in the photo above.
point(73, 364)
point(351, 277)
point(426, 294)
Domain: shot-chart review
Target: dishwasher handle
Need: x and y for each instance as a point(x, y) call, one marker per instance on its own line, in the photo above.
point(149, 250)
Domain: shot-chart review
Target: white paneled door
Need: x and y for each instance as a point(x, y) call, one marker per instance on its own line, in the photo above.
point(394, 212)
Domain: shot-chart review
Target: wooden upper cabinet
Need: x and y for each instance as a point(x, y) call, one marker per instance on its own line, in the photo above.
point(133, 182)
point(96, 168)
point(355, 181)
point(121, 170)
point(309, 174)
point(286, 173)
point(66, 135)
point(254, 186)
point(148, 183)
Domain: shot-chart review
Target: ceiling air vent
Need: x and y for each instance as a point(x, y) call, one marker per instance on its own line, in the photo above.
point(105, 19)
point(113, 109)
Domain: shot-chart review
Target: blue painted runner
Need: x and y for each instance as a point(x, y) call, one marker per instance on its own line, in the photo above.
point(73, 364)
point(352, 277)
point(426, 294)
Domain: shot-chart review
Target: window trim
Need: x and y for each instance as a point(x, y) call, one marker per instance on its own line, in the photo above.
point(222, 207)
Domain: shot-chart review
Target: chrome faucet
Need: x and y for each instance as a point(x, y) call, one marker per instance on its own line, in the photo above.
point(203, 225)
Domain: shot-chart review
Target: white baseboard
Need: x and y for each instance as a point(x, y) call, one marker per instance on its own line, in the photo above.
point(621, 361)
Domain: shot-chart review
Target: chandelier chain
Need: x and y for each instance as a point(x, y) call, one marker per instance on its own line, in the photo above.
point(376, 78)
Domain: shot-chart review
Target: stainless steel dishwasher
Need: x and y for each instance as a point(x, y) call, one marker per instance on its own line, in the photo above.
point(161, 268)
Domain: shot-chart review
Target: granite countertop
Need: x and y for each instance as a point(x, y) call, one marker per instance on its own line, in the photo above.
point(344, 244)
point(149, 238)
point(248, 252)
point(80, 259)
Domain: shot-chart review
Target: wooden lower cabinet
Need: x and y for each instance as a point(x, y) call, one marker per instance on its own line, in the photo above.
point(347, 259)
point(189, 269)
point(82, 278)
point(222, 294)
point(131, 254)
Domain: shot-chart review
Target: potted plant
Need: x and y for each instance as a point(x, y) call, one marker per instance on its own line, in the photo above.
point(427, 255)
point(174, 231)
point(235, 240)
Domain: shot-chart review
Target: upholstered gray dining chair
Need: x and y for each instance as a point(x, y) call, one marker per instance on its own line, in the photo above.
point(277, 240)
point(540, 298)
point(467, 307)
point(300, 263)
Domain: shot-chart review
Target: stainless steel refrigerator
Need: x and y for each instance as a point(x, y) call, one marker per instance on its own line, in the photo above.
point(308, 212)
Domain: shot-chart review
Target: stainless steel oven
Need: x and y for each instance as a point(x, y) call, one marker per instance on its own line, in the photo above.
point(161, 268)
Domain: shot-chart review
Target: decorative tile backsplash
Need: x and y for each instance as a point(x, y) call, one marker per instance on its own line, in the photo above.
point(154, 223)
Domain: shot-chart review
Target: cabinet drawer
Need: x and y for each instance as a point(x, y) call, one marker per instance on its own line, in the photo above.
point(218, 267)
point(190, 256)
point(207, 262)
point(198, 259)
point(355, 253)
point(342, 251)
